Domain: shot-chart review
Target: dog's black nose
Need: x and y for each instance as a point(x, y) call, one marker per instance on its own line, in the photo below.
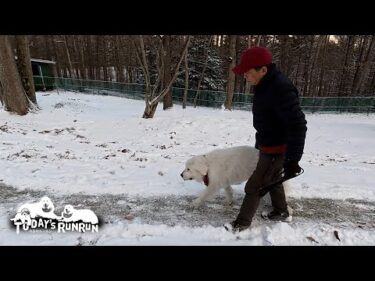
point(182, 175)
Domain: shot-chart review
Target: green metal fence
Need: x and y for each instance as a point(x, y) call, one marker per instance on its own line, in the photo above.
point(205, 98)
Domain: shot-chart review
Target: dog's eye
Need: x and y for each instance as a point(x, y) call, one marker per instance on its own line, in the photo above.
point(188, 169)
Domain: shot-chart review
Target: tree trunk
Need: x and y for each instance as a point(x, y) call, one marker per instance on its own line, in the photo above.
point(119, 61)
point(258, 41)
point(273, 43)
point(79, 46)
point(297, 72)
point(105, 72)
point(167, 100)
point(186, 81)
point(130, 75)
point(85, 56)
point(312, 82)
point(358, 72)
point(150, 110)
point(239, 81)
point(345, 69)
point(76, 58)
point(71, 70)
point(248, 85)
point(24, 66)
point(306, 76)
point(57, 55)
point(231, 75)
point(371, 89)
point(13, 95)
point(104, 54)
point(98, 60)
point(202, 73)
point(47, 47)
point(366, 67)
point(283, 52)
point(90, 58)
point(321, 76)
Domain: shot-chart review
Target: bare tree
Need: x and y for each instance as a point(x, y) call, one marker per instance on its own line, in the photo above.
point(79, 47)
point(231, 76)
point(24, 66)
point(89, 58)
point(98, 58)
point(322, 68)
point(119, 60)
point(371, 89)
point(342, 90)
point(306, 76)
point(167, 100)
point(54, 52)
point(363, 66)
point(206, 54)
point(297, 72)
point(154, 93)
point(186, 80)
point(358, 64)
point(12, 93)
point(283, 52)
point(258, 40)
point(248, 85)
point(313, 79)
point(71, 70)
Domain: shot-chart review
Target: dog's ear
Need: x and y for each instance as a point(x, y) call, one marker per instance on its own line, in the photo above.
point(201, 166)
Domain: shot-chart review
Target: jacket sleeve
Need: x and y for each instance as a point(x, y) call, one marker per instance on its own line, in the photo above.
point(256, 140)
point(289, 111)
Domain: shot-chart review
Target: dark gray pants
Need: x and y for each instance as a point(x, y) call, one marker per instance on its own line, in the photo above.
point(267, 171)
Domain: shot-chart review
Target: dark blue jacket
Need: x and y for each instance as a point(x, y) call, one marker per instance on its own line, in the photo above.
point(277, 115)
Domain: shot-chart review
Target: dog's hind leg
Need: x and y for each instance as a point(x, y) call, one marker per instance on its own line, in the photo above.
point(229, 195)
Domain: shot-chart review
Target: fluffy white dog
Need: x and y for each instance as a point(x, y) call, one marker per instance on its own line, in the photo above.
point(44, 208)
point(23, 216)
point(70, 214)
point(221, 168)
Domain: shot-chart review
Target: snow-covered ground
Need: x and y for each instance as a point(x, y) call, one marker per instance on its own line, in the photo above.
point(97, 152)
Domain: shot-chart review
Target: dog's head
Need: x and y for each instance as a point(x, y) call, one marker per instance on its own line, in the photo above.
point(68, 211)
point(25, 212)
point(195, 169)
point(47, 205)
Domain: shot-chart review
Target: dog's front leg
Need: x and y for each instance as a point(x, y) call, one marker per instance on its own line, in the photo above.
point(229, 195)
point(203, 196)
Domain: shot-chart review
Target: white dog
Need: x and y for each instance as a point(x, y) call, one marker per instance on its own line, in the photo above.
point(44, 208)
point(221, 168)
point(70, 214)
point(23, 216)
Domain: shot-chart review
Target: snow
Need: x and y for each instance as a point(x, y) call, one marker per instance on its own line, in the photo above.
point(90, 145)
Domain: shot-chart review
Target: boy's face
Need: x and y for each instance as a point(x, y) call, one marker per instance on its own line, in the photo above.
point(254, 76)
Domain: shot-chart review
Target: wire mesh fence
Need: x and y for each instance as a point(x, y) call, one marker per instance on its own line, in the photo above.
point(204, 98)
